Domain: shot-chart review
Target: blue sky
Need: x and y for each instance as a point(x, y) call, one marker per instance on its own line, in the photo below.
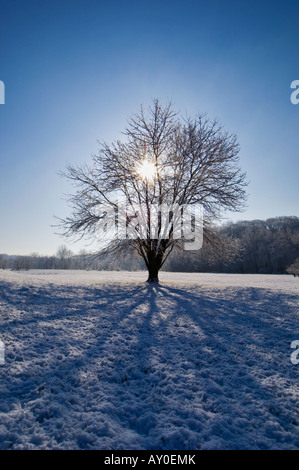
point(74, 71)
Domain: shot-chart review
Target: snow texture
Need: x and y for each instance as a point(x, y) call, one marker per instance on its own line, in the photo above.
point(101, 360)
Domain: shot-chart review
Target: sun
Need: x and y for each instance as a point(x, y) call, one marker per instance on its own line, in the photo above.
point(146, 170)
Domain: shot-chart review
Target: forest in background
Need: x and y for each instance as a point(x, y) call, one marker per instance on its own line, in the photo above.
point(259, 246)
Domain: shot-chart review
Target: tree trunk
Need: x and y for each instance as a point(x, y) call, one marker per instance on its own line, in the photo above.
point(153, 274)
point(154, 263)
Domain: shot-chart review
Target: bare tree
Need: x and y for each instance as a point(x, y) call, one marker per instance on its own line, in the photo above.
point(64, 256)
point(22, 263)
point(294, 268)
point(164, 160)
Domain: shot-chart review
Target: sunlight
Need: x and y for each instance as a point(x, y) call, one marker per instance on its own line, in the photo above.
point(146, 170)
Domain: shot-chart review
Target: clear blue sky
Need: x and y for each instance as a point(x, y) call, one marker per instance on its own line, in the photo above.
point(74, 71)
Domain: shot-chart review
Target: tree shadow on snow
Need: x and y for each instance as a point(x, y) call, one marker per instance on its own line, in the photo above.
point(165, 367)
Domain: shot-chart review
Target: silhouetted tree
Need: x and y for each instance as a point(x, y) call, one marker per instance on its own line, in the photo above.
point(163, 161)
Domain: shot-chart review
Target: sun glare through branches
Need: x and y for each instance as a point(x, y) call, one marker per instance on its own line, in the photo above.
point(146, 170)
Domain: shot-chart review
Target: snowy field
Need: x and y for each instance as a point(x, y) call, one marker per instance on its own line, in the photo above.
point(100, 360)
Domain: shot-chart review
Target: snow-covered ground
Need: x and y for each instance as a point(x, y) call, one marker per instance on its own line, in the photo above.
point(100, 360)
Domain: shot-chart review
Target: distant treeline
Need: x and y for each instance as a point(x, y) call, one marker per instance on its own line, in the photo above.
point(66, 259)
point(264, 247)
point(260, 246)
